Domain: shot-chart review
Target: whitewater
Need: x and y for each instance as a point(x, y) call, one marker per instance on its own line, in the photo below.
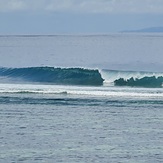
point(60, 102)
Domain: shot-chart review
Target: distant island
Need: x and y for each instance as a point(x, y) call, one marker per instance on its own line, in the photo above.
point(147, 30)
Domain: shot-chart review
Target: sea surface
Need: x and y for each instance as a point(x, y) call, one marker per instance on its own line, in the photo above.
point(46, 122)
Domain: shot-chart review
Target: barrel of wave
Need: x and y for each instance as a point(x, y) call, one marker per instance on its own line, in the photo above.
point(66, 76)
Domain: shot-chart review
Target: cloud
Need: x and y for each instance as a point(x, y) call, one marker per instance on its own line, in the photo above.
point(84, 6)
point(11, 5)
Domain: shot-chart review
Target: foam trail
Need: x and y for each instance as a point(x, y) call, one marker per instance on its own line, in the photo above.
point(81, 91)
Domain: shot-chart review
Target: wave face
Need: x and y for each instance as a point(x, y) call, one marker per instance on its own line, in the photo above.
point(133, 78)
point(81, 76)
point(67, 76)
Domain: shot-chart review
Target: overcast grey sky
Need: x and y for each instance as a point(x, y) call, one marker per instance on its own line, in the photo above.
point(78, 16)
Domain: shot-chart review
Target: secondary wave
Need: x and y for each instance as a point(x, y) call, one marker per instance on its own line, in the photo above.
point(68, 76)
point(133, 78)
point(151, 82)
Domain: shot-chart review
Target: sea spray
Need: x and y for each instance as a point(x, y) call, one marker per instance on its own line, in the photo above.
point(133, 78)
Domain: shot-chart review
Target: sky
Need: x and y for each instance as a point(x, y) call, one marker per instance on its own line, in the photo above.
point(78, 16)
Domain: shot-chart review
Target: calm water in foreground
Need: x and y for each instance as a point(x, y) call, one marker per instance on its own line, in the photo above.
point(70, 124)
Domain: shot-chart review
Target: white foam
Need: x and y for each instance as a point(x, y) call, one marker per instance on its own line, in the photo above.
point(110, 75)
point(86, 91)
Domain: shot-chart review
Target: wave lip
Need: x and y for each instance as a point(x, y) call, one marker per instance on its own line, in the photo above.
point(67, 76)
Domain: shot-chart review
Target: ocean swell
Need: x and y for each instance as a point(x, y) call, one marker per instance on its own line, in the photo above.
point(67, 76)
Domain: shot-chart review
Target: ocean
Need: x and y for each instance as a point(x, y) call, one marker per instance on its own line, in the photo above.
point(58, 103)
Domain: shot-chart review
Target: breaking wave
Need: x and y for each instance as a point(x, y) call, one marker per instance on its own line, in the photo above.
point(133, 78)
point(66, 76)
point(81, 76)
point(151, 82)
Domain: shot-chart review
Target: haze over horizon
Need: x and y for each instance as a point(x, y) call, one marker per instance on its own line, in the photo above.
point(69, 17)
point(78, 16)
